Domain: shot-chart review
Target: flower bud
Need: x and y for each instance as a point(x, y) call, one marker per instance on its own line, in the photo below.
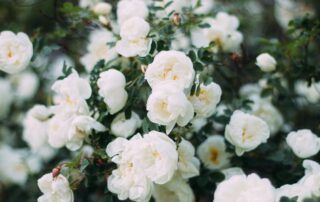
point(176, 19)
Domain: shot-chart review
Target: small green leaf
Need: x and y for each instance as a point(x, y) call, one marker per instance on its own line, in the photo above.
point(205, 25)
point(84, 164)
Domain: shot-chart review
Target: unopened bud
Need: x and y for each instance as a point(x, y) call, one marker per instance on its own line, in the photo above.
point(103, 20)
point(56, 171)
point(176, 19)
point(143, 68)
point(236, 57)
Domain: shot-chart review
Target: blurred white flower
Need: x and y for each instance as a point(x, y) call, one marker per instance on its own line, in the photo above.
point(188, 164)
point(88, 3)
point(55, 188)
point(245, 188)
point(111, 85)
point(102, 8)
point(176, 190)
point(25, 85)
point(205, 6)
point(81, 126)
point(56, 66)
point(265, 110)
point(127, 9)
point(205, 104)
point(222, 31)
point(122, 127)
point(176, 5)
point(134, 39)
point(246, 132)
point(16, 51)
point(303, 143)
point(58, 127)
point(212, 152)
point(266, 62)
point(180, 41)
point(168, 105)
point(311, 179)
point(198, 123)
point(291, 191)
point(233, 171)
point(311, 93)
point(172, 66)
point(98, 48)
point(6, 98)
point(13, 169)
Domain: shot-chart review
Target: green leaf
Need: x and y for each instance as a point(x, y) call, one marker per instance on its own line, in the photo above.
point(84, 164)
point(192, 55)
point(167, 4)
point(205, 25)
point(153, 47)
point(198, 66)
point(267, 92)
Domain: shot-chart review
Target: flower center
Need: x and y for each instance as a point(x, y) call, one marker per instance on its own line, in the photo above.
point(246, 136)
point(214, 154)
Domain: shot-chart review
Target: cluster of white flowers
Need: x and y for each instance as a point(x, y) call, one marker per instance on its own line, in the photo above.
point(222, 31)
point(149, 163)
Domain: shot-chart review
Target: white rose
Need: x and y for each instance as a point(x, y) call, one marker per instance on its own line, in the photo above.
point(111, 85)
point(122, 127)
point(188, 165)
point(16, 51)
point(205, 104)
point(127, 9)
point(157, 157)
point(246, 132)
point(266, 62)
point(180, 42)
point(127, 181)
point(98, 49)
point(6, 98)
point(13, 169)
point(102, 8)
point(134, 39)
point(88, 3)
point(198, 123)
point(40, 112)
point(311, 179)
point(222, 31)
point(72, 92)
point(303, 143)
point(172, 66)
point(80, 128)
point(54, 189)
point(25, 84)
point(56, 66)
point(58, 127)
point(176, 190)
point(269, 113)
point(168, 105)
point(212, 152)
point(291, 191)
point(245, 188)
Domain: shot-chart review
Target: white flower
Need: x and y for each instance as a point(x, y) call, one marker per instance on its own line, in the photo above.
point(212, 152)
point(6, 97)
point(25, 85)
point(54, 189)
point(172, 66)
point(98, 49)
point(222, 31)
point(198, 123)
point(35, 127)
point(102, 8)
point(56, 66)
point(180, 41)
point(58, 127)
point(176, 190)
point(127, 9)
point(230, 172)
point(311, 179)
point(16, 51)
point(269, 113)
point(176, 5)
point(129, 182)
point(266, 62)
point(303, 143)
point(188, 165)
point(13, 169)
point(88, 3)
point(249, 188)
point(311, 93)
point(168, 105)
point(246, 132)
point(134, 39)
point(205, 6)
point(122, 127)
point(72, 92)
point(111, 85)
point(157, 157)
point(294, 190)
point(80, 128)
point(205, 104)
